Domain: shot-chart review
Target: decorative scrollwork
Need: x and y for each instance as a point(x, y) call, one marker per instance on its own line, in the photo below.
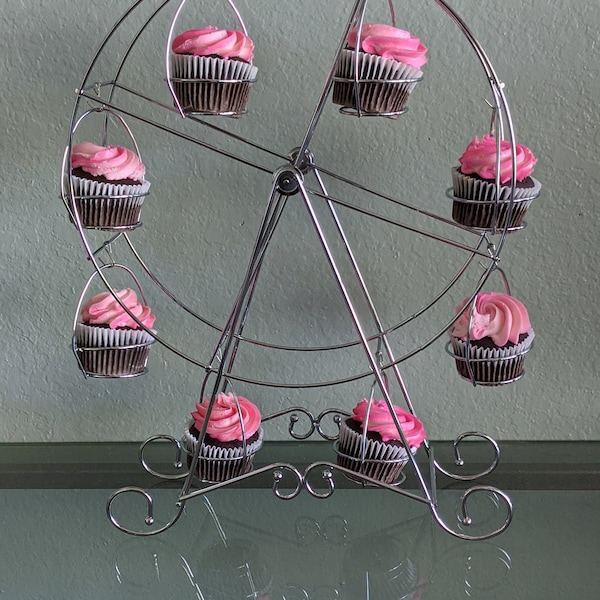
point(459, 462)
point(337, 419)
point(294, 419)
point(326, 475)
point(177, 463)
point(149, 520)
point(315, 423)
point(278, 477)
point(466, 519)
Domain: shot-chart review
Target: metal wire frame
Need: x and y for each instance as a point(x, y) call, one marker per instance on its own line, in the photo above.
point(474, 251)
point(226, 350)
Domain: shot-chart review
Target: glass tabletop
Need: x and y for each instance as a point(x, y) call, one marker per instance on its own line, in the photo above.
point(246, 543)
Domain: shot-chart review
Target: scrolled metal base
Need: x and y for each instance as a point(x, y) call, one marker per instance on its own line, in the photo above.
point(178, 464)
point(459, 462)
point(466, 519)
point(284, 489)
point(149, 520)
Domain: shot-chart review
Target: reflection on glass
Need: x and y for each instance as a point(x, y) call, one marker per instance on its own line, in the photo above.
point(258, 551)
point(378, 565)
point(475, 570)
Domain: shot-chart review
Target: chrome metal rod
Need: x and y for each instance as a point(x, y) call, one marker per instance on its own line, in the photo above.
point(373, 363)
point(372, 309)
point(233, 136)
point(226, 347)
point(466, 520)
point(266, 238)
point(391, 199)
point(135, 38)
point(460, 462)
point(359, 7)
point(164, 289)
point(404, 226)
point(149, 520)
point(179, 134)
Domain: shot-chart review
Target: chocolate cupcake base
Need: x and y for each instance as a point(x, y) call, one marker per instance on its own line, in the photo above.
point(477, 204)
point(104, 352)
point(384, 85)
point(382, 461)
point(207, 98)
point(220, 461)
point(109, 206)
point(485, 215)
point(209, 85)
point(489, 365)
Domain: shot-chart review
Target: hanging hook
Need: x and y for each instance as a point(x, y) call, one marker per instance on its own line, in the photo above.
point(495, 113)
point(493, 117)
point(109, 252)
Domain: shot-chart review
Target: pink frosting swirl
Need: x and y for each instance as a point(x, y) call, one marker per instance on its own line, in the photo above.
point(111, 162)
point(389, 42)
point(495, 315)
point(380, 421)
point(224, 422)
point(103, 309)
point(211, 41)
point(480, 158)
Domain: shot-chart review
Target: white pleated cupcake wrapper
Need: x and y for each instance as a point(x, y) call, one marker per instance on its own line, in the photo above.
point(216, 463)
point(491, 365)
point(107, 205)
point(475, 201)
point(211, 85)
point(210, 68)
point(384, 85)
point(382, 461)
point(112, 352)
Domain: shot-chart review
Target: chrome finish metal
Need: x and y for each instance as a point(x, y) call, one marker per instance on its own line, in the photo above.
point(291, 179)
point(459, 462)
point(149, 520)
point(466, 518)
point(177, 463)
point(315, 423)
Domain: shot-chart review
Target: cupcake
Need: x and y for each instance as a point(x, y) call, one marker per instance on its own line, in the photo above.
point(475, 202)
point(229, 444)
point(389, 67)
point(369, 441)
point(490, 339)
point(109, 343)
point(108, 186)
point(211, 71)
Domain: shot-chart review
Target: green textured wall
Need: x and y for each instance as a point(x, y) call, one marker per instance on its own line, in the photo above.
point(201, 217)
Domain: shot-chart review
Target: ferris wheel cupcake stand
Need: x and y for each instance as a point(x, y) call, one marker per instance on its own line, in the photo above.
point(296, 174)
